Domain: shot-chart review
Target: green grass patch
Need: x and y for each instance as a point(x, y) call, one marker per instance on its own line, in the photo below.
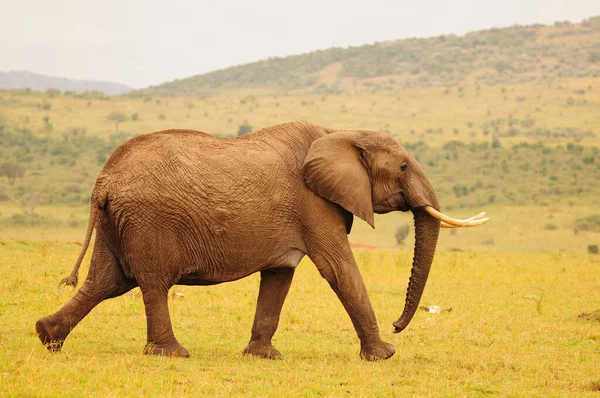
point(515, 327)
point(590, 223)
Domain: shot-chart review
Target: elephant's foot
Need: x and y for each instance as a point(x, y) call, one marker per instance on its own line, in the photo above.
point(377, 351)
point(52, 333)
point(169, 350)
point(262, 349)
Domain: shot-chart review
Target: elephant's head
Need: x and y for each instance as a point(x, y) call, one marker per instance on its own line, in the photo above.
point(368, 172)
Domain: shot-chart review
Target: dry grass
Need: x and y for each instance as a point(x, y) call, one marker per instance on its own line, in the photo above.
point(495, 341)
point(406, 114)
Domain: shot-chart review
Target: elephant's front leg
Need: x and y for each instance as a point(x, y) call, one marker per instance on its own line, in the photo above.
point(337, 265)
point(274, 287)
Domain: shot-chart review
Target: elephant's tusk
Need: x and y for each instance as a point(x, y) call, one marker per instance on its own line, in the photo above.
point(449, 222)
point(475, 217)
point(444, 225)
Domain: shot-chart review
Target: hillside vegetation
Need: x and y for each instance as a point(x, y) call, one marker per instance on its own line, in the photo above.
point(530, 148)
point(517, 54)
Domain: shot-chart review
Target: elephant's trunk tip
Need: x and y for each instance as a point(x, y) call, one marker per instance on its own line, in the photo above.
point(400, 325)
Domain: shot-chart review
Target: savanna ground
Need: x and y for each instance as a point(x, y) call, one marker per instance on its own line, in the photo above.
point(524, 289)
point(520, 325)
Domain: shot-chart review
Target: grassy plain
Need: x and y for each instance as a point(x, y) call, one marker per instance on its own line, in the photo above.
point(410, 114)
point(516, 286)
point(517, 328)
point(519, 229)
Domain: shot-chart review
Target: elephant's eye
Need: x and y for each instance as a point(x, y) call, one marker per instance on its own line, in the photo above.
point(403, 167)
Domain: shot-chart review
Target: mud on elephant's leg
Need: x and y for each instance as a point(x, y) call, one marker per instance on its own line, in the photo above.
point(161, 340)
point(342, 273)
point(105, 280)
point(274, 287)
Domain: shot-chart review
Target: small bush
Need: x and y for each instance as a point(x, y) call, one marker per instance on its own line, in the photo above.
point(550, 227)
point(22, 219)
point(244, 129)
point(401, 234)
point(592, 249)
point(496, 143)
point(460, 190)
point(591, 223)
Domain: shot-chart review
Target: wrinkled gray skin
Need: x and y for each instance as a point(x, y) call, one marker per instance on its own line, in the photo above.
point(183, 207)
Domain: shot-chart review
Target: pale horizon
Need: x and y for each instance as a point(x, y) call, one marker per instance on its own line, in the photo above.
point(149, 43)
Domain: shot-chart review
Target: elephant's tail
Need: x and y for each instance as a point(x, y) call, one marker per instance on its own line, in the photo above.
point(71, 280)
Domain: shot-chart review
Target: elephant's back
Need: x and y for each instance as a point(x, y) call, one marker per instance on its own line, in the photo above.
point(185, 173)
point(152, 145)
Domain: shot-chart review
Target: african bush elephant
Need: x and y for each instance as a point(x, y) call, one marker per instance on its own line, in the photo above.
point(183, 207)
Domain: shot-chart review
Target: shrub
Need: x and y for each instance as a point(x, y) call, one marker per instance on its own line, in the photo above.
point(401, 234)
point(52, 92)
point(496, 142)
point(244, 129)
point(592, 249)
point(26, 220)
point(460, 190)
point(591, 223)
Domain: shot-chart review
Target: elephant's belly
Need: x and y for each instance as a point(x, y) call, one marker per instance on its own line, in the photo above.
point(196, 279)
point(289, 259)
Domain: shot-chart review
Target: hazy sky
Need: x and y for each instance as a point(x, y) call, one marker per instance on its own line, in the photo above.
point(144, 42)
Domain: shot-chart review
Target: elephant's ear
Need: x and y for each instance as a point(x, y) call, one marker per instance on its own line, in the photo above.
point(334, 169)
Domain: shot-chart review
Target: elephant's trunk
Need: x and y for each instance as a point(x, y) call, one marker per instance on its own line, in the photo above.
point(427, 229)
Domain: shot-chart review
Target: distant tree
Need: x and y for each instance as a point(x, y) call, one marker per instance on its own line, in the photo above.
point(244, 129)
point(135, 117)
point(47, 125)
point(117, 117)
point(30, 202)
point(11, 171)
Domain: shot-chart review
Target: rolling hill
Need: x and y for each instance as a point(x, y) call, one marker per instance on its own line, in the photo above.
point(517, 54)
point(39, 82)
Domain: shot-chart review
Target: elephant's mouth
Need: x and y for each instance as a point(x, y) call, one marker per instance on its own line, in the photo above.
point(403, 205)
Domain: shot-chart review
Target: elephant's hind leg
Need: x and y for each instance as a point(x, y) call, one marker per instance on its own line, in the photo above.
point(105, 280)
point(274, 287)
point(161, 340)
